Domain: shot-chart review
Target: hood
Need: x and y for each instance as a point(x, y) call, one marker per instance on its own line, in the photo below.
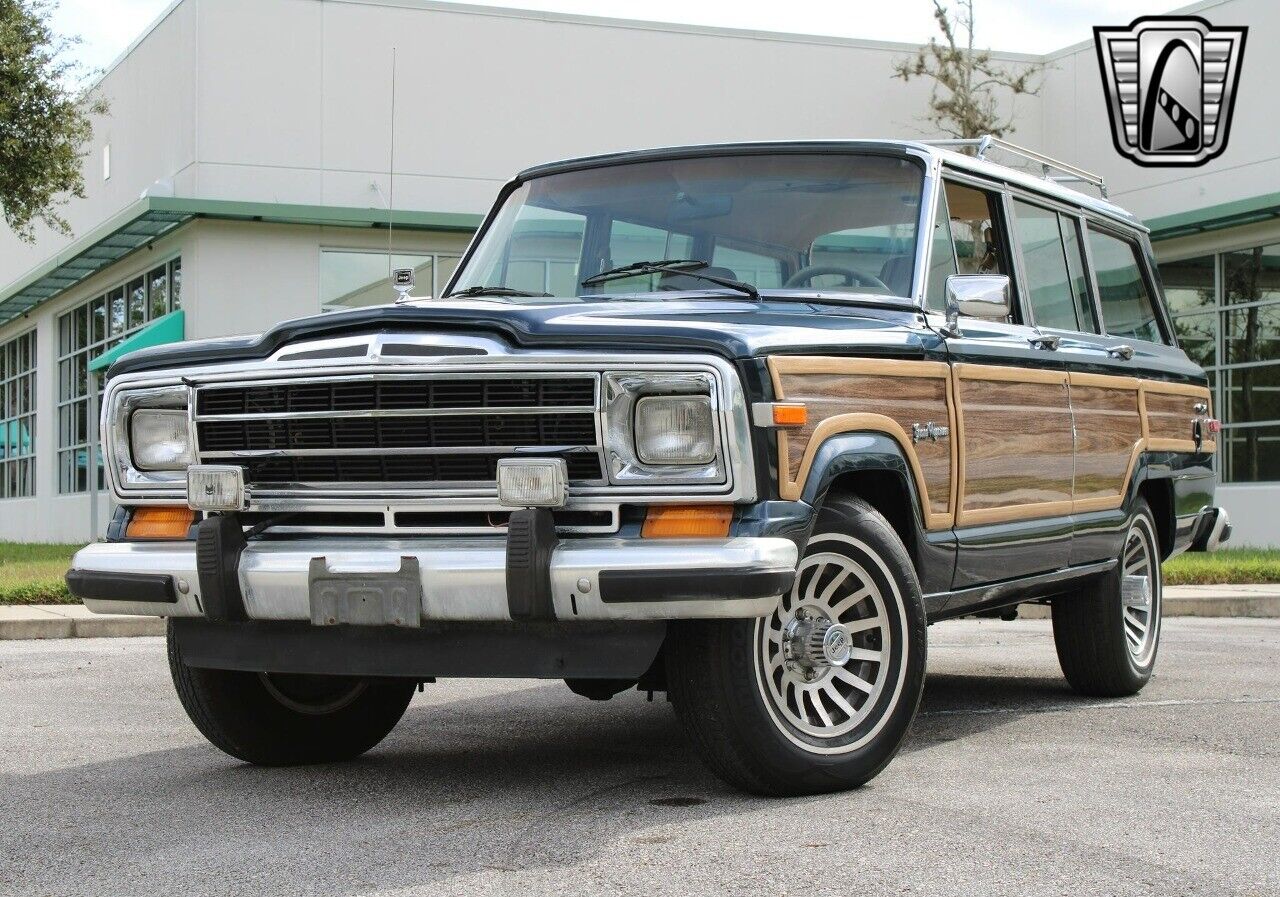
point(729, 328)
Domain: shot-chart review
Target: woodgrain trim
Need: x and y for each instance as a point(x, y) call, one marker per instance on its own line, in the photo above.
point(1006, 513)
point(955, 515)
point(880, 423)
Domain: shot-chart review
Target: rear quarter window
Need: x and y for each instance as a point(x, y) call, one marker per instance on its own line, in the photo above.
point(1128, 308)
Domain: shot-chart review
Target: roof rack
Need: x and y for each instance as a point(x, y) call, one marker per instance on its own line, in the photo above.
point(1065, 173)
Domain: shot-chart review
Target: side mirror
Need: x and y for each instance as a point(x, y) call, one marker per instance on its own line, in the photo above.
point(983, 296)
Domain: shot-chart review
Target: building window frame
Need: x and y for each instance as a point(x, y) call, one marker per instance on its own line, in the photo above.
point(439, 278)
point(1221, 372)
point(82, 333)
point(18, 410)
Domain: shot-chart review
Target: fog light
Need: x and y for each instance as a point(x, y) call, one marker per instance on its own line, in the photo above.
point(532, 482)
point(215, 488)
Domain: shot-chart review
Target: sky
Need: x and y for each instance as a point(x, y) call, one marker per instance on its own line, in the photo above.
point(107, 27)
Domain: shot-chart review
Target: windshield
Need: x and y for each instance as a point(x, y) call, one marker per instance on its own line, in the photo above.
point(829, 222)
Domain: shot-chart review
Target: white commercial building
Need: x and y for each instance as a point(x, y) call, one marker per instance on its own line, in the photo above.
point(242, 177)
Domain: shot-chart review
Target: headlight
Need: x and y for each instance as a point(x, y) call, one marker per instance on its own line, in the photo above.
point(675, 430)
point(160, 439)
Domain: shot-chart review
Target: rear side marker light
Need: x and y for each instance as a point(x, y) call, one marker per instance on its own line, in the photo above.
point(687, 522)
point(160, 523)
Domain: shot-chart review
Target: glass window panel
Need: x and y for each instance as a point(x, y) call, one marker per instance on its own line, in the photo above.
point(175, 284)
point(1127, 309)
point(973, 215)
point(1252, 454)
point(1252, 334)
point(98, 311)
point(1253, 394)
point(1251, 275)
point(1189, 284)
point(360, 279)
point(755, 268)
point(17, 412)
point(158, 292)
point(1039, 240)
point(1197, 336)
point(630, 243)
point(942, 257)
point(445, 266)
point(82, 327)
point(1076, 267)
point(118, 317)
point(137, 303)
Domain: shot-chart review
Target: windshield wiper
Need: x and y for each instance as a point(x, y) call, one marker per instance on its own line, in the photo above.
point(494, 291)
point(687, 267)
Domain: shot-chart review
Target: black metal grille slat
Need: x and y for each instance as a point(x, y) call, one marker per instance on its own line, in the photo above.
point(494, 427)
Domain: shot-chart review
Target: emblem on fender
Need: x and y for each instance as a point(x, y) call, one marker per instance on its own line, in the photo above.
point(930, 431)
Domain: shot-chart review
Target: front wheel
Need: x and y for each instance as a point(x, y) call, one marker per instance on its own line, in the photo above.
point(1107, 634)
point(272, 719)
point(817, 696)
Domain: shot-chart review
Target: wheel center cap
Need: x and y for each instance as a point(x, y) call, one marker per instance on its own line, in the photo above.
point(813, 644)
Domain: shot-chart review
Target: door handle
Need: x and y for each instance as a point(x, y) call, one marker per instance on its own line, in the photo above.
point(1125, 352)
point(1049, 343)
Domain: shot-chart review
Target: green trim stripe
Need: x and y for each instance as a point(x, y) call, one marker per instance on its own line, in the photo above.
point(1216, 217)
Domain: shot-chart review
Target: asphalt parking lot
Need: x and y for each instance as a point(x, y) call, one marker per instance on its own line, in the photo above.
point(1008, 784)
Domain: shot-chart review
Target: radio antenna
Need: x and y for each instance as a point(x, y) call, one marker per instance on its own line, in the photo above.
point(391, 171)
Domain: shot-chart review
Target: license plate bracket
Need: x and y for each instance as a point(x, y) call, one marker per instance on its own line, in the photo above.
point(365, 599)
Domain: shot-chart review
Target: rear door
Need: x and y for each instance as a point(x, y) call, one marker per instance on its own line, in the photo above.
point(1013, 413)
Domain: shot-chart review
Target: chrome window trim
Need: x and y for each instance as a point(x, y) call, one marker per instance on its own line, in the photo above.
point(733, 420)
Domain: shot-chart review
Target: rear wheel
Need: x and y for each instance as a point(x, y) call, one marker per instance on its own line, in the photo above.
point(1108, 633)
point(273, 719)
point(818, 695)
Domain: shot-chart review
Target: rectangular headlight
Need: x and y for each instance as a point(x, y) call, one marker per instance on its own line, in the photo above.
point(160, 439)
point(675, 430)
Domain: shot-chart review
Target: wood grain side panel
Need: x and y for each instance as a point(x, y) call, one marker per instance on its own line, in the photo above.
point(843, 395)
point(905, 400)
point(1017, 448)
point(1108, 440)
point(1169, 410)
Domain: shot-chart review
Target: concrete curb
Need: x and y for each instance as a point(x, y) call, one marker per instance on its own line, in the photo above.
point(55, 621)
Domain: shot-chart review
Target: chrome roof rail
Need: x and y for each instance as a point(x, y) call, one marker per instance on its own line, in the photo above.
point(1053, 170)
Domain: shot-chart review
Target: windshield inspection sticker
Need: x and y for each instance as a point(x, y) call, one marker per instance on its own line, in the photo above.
point(1170, 83)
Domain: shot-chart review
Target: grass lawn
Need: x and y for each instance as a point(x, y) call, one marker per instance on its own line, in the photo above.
point(32, 574)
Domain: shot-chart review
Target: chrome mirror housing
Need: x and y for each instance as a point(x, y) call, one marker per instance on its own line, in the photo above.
point(983, 296)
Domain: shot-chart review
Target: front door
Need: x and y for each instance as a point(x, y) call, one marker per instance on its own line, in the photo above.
point(1013, 417)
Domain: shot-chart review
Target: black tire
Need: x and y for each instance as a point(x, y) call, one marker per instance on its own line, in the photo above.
point(1094, 631)
point(731, 688)
point(275, 720)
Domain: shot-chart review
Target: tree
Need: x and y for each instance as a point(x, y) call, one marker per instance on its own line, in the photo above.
point(44, 120)
point(964, 100)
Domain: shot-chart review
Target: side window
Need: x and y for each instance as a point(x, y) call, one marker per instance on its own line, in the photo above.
point(942, 257)
point(1127, 307)
point(973, 217)
point(1055, 275)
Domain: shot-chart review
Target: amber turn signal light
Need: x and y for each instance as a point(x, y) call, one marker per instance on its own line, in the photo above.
point(687, 521)
point(790, 415)
point(160, 523)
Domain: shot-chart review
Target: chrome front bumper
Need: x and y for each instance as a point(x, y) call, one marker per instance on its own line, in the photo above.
point(461, 579)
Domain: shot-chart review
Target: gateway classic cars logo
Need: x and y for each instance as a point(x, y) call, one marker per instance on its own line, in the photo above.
point(1171, 85)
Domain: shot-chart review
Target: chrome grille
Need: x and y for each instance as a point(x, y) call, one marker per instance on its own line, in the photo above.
point(399, 429)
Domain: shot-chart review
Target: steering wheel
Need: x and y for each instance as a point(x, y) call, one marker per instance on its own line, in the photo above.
point(805, 276)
